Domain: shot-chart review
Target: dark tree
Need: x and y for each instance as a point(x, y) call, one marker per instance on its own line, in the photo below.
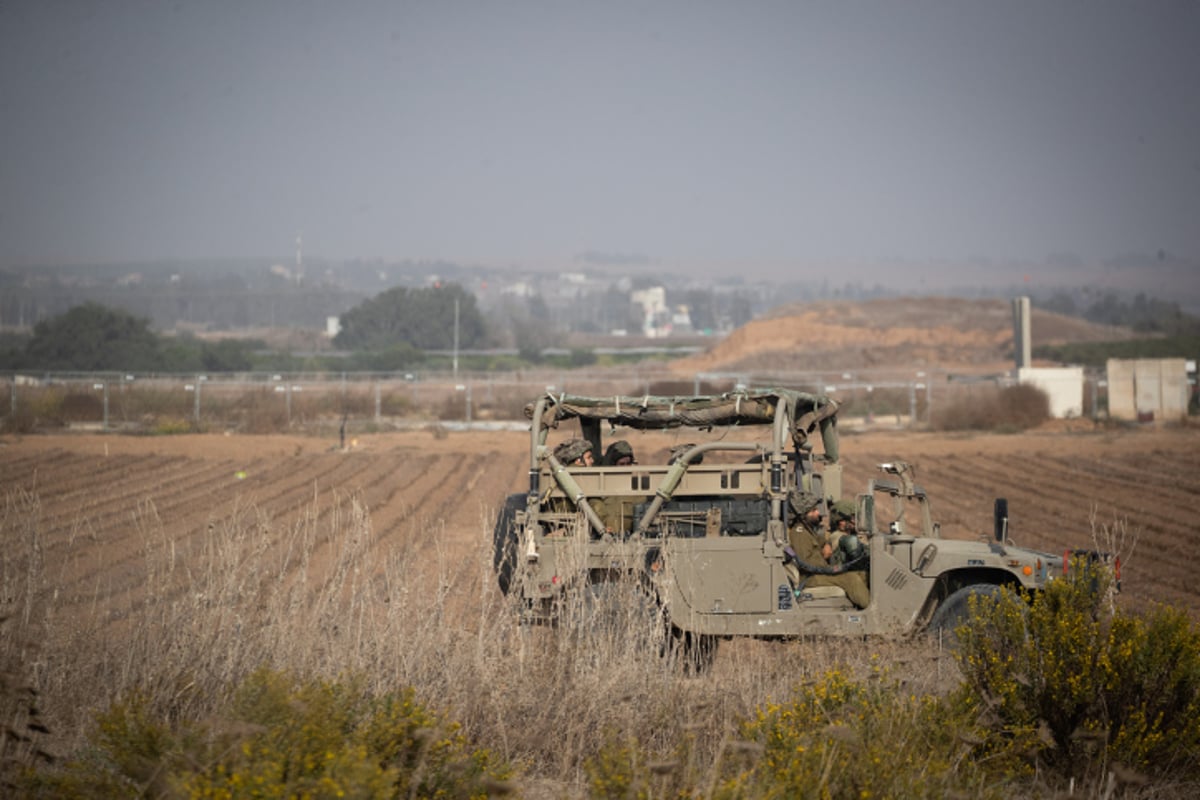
point(94, 337)
point(420, 318)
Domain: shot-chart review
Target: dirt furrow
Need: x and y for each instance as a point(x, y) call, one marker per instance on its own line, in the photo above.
point(99, 554)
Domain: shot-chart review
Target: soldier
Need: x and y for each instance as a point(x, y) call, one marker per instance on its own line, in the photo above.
point(575, 453)
point(570, 453)
point(805, 537)
point(619, 454)
point(845, 546)
point(812, 551)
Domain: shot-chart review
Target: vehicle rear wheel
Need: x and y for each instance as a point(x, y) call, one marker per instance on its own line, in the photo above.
point(612, 615)
point(504, 541)
point(694, 653)
point(620, 612)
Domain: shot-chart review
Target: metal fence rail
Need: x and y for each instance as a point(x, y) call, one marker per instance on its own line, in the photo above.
point(110, 400)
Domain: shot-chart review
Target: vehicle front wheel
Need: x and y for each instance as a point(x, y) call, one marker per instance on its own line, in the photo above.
point(955, 611)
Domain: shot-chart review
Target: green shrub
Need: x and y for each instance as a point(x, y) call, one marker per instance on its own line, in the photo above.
point(1082, 686)
point(281, 737)
point(834, 738)
point(838, 738)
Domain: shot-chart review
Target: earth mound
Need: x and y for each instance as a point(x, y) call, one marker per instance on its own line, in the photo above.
point(932, 332)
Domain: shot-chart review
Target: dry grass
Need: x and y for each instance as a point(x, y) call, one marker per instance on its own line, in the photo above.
point(189, 620)
point(990, 408)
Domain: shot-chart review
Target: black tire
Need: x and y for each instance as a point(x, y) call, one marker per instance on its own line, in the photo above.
point(632, 613)
point(693, 653)
point(955, 610)
point(614, 607)
point(504, 541)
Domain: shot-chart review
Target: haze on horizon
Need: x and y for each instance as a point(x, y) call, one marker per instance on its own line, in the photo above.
point(773, 138)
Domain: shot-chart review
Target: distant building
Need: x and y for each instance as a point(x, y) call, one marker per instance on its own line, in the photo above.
point(681, 320)
point(656, 319)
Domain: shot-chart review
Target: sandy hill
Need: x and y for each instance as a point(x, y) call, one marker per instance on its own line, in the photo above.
point(926, 332)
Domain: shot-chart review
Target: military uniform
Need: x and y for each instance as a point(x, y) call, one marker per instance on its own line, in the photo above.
point(808, 543)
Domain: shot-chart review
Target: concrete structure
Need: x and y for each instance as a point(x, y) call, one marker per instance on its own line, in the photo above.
point(1022, 339)
point(1147, 389)
point(1063, 385)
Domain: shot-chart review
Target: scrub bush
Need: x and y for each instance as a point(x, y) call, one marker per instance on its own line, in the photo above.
point(835, 737)
point(1081, 687)
point(1012, 408)
point(281, 737)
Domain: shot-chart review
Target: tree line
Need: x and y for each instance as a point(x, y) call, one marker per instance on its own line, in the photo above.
point(1141, 313)
point(388, 332)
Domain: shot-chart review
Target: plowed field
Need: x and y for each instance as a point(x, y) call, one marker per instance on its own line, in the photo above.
point(100, 497)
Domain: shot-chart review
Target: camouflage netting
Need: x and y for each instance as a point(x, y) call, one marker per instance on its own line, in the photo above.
point(731, 408)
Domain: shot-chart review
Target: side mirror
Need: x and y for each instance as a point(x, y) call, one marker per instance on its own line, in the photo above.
point(1000, 520)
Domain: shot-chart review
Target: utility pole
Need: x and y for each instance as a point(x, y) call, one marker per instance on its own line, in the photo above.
point(456, 338)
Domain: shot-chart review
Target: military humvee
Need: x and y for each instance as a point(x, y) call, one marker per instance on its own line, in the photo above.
point(704, 538)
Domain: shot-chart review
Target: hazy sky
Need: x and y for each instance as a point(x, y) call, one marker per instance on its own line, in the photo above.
point(764, 134)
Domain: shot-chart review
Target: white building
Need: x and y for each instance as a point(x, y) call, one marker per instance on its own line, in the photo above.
point(1063, 385)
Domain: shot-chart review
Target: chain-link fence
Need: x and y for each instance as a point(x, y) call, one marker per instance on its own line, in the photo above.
point(262, 403)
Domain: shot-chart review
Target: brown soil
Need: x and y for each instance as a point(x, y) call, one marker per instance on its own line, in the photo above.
point(927, 332)
point(1062, 485)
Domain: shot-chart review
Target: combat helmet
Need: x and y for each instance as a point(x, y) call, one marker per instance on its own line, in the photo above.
point(618, 450)
point(802, 502)
point(571, 449)
point(844, 509)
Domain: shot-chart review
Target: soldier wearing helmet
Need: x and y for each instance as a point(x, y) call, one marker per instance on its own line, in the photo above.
point(619, 454)
point(812, 552)
point(845, 546)
point(616, 511)
point(805, 535)
point(570, 453)
point(575, 453)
